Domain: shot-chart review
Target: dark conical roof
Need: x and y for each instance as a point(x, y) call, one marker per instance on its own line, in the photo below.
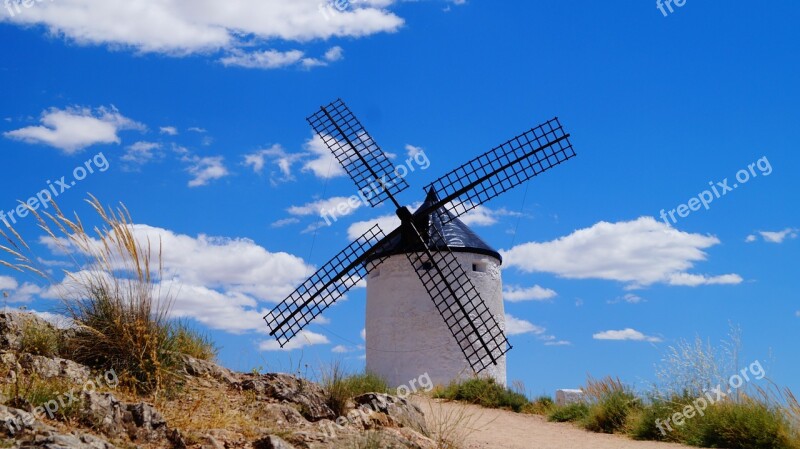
point(458, 236)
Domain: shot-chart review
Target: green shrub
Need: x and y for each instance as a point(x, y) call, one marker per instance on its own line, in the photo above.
point(485, 392)
point(342, 387)
point(610, 413)
point(643, 426)
point(39, 337)
point(187, 340)
point(610, 403)
point(110, 293)
point(542, 405)
point(746, 424)
point(574, 412)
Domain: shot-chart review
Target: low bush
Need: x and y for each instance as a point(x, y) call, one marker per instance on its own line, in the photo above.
point(575, 412)
point(342, 387)
point(39, 337)
point(485, 392)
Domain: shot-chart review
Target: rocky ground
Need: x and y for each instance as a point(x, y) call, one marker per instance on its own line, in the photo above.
point(213, 408)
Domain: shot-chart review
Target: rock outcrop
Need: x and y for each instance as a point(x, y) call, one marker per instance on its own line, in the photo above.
point(276, 411)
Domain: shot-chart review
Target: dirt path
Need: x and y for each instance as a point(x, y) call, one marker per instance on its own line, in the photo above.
point(500, 429)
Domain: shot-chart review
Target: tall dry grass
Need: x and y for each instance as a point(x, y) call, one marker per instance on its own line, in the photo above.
point(111, 291)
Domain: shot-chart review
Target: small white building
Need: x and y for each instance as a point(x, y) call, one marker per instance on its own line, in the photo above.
point(405, 334)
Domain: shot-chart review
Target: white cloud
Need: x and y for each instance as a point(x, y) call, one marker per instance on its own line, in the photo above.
point(303, 339)
point(413, 151)
point(8, 283)
point(276, 156)
point(334, 54)
point(329, 205)
point(206, 169)
point(386, 222)
point(516, 326)
point(267, 59)
point(363, 334)
point(73, 129)
point(323, 163)
point(169, 130)
point(630, 298)
point(640, 252)
point(693, 280)
point(779, 236)
point(220, 282)
point(750, 238)
point(181, 27)
point(340, 349)
point(625, 335)
point(27, 292)
point(56, 319)
point(12, 292)
point(284, 222)
point(514, 293)
point(558, 343)
point(140, 153)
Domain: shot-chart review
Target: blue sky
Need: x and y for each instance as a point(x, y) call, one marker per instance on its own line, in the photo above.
point(198, 110)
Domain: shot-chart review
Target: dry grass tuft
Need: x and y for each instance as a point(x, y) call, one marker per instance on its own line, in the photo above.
point(111, 292)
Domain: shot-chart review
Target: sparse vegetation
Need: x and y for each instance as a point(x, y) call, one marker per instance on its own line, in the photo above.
point(542, 405)
point(485, 392)
point(575, 412)
point(341, 387)
point(750, 418)
point(39, 338)
point(112, 294)
point(188, 340)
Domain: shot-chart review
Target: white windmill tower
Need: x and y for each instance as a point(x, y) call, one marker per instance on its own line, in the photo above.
point(405, 335)
point(434, 288)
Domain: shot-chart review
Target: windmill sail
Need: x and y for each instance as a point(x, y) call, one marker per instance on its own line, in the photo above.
point(358, 154)
point(503, 168)
point(475, 328)
point(323, 288)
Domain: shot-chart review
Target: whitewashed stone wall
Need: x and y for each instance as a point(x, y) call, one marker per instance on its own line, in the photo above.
point(405, 334)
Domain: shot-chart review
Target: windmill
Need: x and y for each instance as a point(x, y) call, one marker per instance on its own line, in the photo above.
point(477, 332)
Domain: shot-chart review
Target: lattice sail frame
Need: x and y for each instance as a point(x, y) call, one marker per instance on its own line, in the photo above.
point(357, 152)
point(504, 167)
point(475, 328)
point(323, 288)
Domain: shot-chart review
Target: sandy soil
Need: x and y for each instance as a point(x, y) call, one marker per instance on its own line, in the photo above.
point(500, 429)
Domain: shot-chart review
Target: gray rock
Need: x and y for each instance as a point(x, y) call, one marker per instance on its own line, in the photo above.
point(27, 432)
point(140, 421)
point(283, 387)
point(202, 368)
point(49, 368)
point(54, 440)
point(271, 442)
point(400, 411)
point(11, 326)
point(14, 421)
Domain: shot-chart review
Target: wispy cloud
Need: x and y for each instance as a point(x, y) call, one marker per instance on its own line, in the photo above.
point(76, 128)
point(625, 335)
point(774, 236)
point(514, 293)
